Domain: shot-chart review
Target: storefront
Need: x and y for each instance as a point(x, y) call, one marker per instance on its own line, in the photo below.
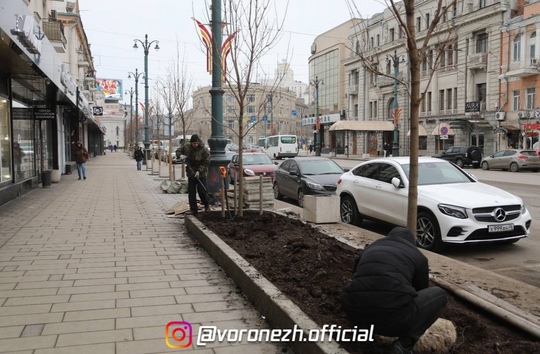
point(40, 114)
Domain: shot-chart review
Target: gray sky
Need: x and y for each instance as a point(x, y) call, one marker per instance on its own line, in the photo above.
point(112, 25)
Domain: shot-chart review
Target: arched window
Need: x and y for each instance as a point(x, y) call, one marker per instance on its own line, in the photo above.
point(517, 48)
point(532, 45)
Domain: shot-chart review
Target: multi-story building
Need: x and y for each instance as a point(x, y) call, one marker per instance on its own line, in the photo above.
point(45, 92)
point(519, 115)
point(268, 110)
point(460, 78)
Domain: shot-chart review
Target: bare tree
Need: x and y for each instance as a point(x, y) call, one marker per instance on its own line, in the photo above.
point(257, 28)
point(437, 34)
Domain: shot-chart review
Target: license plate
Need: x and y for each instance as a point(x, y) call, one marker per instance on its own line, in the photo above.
point(500, 228)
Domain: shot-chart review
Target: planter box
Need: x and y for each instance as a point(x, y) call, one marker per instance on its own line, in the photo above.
point(55, 176)
point(321, 209)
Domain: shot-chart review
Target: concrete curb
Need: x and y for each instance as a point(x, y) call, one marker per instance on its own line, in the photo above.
point(278, 310)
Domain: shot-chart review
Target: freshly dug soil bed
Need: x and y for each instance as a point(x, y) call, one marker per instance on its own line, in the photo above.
point(311, 268)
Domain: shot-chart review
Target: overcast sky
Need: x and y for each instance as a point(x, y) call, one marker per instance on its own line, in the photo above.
point(112, 25)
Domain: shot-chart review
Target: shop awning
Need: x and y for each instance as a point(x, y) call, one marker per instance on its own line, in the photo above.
point(510, 127)
point(362, 125)
point(421, 131)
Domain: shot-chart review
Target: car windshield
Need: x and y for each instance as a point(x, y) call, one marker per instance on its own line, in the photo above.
point(320, 167)
point(438, 173)
point(256, 160)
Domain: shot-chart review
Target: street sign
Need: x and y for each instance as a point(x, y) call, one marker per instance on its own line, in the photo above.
point(253, 118)
point(294, 112)
point(265, 118)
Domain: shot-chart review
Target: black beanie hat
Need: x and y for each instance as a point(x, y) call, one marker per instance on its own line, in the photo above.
point(195, 138)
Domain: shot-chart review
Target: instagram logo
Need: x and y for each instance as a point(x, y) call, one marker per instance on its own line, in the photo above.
point(181, 334)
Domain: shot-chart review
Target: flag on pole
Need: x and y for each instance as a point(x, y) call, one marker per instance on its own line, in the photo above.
point(207, 40)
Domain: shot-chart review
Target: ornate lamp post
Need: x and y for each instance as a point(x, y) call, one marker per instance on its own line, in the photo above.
point(130, 139)
point(146, 46)
point(317, 130)
point(395, 144)
point(136, 76)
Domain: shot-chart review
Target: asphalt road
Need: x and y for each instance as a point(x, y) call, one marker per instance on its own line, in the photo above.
point(520, 260)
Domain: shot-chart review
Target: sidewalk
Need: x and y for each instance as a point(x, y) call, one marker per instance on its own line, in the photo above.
point(95, 266)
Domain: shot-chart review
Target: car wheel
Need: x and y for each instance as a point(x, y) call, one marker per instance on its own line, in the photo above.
point(300, 198)
point(459, 162)
point(428, 234)
point(514, 167)
point(277, 195)
point(485, 166)
point(349, 212)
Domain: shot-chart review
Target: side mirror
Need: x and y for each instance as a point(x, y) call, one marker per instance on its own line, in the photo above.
point(293, 172)
point(396, 182)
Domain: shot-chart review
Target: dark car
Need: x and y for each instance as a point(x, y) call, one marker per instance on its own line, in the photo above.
point(462, 155)
point(301, 176)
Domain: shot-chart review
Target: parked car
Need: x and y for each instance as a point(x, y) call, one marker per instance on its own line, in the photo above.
point(453, 207)
point(253, 164)
point(462, 155)
point(513, 160)
point(299, 176)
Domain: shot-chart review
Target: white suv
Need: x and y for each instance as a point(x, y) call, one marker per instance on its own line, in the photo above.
point(453, 207)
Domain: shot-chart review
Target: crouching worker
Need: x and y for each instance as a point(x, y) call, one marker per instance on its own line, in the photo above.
point(390, 290)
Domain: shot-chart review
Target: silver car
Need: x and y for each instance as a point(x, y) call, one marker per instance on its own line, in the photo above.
point(512, 160)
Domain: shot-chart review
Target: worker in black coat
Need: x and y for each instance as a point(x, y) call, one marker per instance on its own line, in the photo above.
point(390, 290)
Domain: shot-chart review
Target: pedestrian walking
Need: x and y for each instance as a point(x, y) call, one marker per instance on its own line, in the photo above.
point(114, 147)
point(81, 156)
point(390, 290)
point(139, 157)
point(310, 148)
point(197, 158)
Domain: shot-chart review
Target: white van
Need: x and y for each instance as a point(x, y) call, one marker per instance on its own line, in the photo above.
point(280, 146)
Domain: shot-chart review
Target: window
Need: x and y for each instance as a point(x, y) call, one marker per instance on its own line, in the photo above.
point(449, 99)
point(231, 123)
point(427, 21)
point(423, 105)
point(372, 41)
point(229, 109)
point(429, 97)
point(481, 92)
point(530, 98)
point(481, 43)
point(532, 45)
point(516, 48)
point(444, 12)
point(482, 3)
point(378, 40)
point(250, 98)
point(441, 100)
point(515, 100)
point(386, 173)
point(418, 24)
point(250, 109)
point(392, 34)
point(455, 98)
point(229, 98)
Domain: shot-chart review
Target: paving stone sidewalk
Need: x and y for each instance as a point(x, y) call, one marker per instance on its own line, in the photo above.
point(95, 266)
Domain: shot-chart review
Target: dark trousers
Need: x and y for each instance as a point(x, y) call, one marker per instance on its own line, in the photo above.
point(197, 186)
point(428, 306)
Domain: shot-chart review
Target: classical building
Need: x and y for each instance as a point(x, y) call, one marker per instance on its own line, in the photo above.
point(462, 101)
point(519, 115)
point(46, 82)
point(268, 110)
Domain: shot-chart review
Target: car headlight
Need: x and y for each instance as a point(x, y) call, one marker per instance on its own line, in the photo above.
point(523, 209)
point(454, 211)
point(248, 172)
point(314, 186)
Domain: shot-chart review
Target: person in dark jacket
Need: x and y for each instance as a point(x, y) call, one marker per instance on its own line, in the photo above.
point(139, 157)
point(197, 158)
point(390, 289)
point(81, 156)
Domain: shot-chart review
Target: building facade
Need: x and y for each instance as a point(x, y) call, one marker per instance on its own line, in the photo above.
point(45, 85)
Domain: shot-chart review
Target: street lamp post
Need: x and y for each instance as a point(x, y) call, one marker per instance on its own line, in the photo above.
point(395, 143)
point(317, 130)
point(146, 46)
point(130, 93)
point(136, 76)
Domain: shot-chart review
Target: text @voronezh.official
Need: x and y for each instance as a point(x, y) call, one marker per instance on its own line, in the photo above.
point(179, 334)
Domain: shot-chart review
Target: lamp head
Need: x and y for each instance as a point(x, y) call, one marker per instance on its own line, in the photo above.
point(135, 46)
point(157, 46)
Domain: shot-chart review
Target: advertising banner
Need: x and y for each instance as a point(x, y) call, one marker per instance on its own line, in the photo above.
point(112, 88)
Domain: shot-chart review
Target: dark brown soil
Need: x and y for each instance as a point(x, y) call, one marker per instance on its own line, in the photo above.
point(312, 268)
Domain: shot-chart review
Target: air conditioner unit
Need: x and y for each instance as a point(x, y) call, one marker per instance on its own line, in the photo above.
point(535, 62)
point(500, 115)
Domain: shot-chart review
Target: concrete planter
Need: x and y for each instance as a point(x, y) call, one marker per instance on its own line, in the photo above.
point(56, 176)
point(321, 209)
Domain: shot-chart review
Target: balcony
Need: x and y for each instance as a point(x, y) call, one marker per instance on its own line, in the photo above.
point(388, 81)
point(478, 61)
point(523, 68)
point(352, 89)
point(54, 31)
